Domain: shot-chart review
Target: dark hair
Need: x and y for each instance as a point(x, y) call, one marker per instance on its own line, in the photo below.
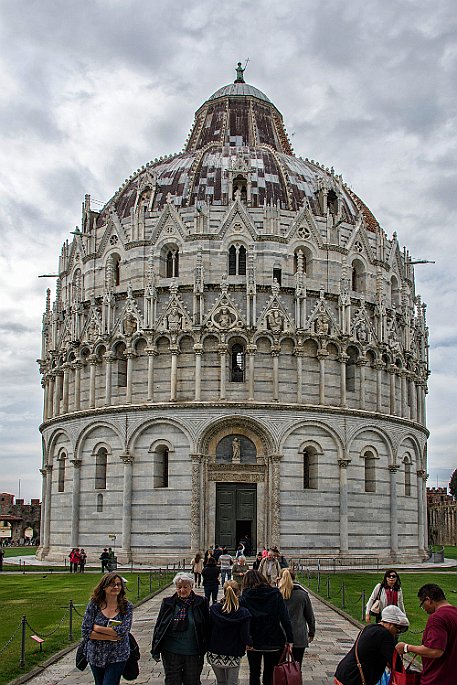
point(197, 558)
point(253, 579)
point(211, 561)
point(397, 583)
point(432, 591)
point(99, 592)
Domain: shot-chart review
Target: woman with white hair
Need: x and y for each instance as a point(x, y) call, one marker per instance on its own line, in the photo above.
point(180, 633)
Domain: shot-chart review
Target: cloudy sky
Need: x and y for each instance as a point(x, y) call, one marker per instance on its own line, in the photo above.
point(90, 91)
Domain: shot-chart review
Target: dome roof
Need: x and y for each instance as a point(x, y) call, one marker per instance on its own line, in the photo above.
point(238, 130)
point(239, 89)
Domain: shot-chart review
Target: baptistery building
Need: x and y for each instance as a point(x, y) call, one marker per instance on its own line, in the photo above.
point(235, 348)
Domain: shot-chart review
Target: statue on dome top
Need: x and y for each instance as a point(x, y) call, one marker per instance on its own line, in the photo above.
point(240, 73)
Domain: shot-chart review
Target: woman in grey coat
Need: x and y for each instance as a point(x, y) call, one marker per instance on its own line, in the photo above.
point(300, 611)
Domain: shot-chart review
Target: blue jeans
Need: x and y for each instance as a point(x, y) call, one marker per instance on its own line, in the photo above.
point(108, 675)
point(226, 574)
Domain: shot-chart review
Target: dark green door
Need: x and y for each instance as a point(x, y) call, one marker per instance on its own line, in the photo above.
point(236, 514)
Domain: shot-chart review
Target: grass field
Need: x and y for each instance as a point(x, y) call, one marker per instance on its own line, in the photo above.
point(19, 551)
point(44, 599)
point(357, 583)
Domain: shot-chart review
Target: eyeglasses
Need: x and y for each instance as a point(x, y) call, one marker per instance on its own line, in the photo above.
point(115, 585)
point(421, 605)
point(391, 576)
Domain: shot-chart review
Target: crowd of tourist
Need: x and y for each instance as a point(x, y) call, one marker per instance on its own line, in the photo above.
point(263, 613)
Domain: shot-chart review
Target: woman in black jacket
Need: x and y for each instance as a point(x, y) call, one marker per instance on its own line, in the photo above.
point(229, 635)
point(270, 626)
point(210, 574)
point(180, 633)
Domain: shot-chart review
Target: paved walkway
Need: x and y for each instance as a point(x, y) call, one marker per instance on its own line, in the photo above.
point(334, 637)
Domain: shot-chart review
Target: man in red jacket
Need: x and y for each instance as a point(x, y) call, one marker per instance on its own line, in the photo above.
point(439, 642)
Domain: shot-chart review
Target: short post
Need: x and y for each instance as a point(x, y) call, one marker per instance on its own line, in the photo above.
point(70, 632)
point(363, 605)
point(342, 597)
point(150, 581)
point(328, 586)
point(318, 581)
point(23, 628)
point(138, 581)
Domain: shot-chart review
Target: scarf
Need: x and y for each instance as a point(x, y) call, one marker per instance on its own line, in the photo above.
point(392, 597)
point(180, 620)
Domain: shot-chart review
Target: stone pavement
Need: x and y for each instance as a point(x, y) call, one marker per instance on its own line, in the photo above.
point(334, 636)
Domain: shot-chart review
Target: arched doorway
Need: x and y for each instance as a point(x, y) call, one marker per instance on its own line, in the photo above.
point(235, 485)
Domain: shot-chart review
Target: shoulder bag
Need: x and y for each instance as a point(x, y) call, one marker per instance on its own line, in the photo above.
point(376, 606)
point(131, 668)
point(403, 676)
point(287, 671)
point(357, 660)
point(81, 661)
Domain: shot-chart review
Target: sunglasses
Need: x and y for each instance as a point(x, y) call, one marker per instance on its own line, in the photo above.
point(394, 577)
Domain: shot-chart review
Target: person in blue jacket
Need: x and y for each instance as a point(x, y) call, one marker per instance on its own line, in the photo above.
point(229, 635)
point(271, 628)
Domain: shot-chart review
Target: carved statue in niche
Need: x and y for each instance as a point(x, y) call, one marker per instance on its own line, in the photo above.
point(130, 324)
point(322, 324)
point(236, 450)
point(275, 320)
point(224, 320)
point(174, 320)
point(93, 331)
point(362, 332)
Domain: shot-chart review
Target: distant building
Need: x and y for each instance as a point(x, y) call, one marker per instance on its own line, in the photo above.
point(19, 522)
point(236, 348)
point(442, 517)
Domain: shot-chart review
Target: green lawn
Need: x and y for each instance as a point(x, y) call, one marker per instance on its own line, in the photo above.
point(450, 552)
point(44, 599)
point(356, 583)
point(19, 551)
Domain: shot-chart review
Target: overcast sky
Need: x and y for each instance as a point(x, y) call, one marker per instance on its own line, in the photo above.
point(90, 91)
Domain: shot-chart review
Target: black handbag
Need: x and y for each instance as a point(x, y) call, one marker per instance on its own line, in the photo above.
point(81, 661)
point(132, 668)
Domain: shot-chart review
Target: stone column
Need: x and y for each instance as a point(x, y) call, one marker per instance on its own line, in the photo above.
point(275, 356)
point(75, 502)
point(44, 385)
point(58, 391)
point(66, 372)
point(77, 366)
point(174, 372)
point(130, 354)
point(43, 513)
point(250, 351)
point(51, 402)
point(127, 507)
point(361, 363)
point(321, 355)
point(109, 361)
point(92, 359)
point(198, 351)
point(47, 509)
point(275, 495)
point(379, 367)
point(197, 496)
point(151, 354)
point(393, 468)
point(222, 365)
point(299, 355)
point(421, 513)
point(412, 399)
point(343, 359)
point(392, 371)
point(344, 506)
point(404, 394)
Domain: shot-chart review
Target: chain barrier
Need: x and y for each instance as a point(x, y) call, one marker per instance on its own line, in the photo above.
point(7, 644)
point(46, 635)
